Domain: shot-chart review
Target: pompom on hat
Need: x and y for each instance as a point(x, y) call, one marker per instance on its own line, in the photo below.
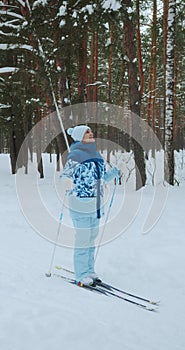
point(77, 133)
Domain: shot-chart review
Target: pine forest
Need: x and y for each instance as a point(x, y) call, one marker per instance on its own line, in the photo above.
point(56, 54)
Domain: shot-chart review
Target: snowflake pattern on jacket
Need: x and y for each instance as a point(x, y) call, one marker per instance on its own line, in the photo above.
point(85, 176)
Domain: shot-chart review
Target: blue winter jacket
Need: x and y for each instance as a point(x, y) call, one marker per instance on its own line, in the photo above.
point(86, 168)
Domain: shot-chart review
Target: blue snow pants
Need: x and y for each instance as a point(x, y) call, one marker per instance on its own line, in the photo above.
point(84, 216)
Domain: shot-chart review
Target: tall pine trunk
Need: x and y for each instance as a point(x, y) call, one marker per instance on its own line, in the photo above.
point(139, 50)
point(82, 68)
point(134, 93)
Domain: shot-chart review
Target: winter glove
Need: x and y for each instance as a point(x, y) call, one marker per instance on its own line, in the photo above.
point(114, 173)
point(66, 184)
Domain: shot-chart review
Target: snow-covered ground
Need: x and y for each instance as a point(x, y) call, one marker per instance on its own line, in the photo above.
point(43, 313)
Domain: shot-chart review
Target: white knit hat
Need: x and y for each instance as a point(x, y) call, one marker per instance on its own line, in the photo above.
point(77, 133)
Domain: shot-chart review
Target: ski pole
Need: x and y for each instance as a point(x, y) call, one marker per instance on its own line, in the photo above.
point(48, 274)
point(106, 220)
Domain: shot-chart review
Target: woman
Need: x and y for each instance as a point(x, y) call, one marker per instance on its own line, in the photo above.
point(83, 177)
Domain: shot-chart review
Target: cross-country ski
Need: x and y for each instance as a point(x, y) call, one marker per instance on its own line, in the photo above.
point(112, 288)
point(100, 289)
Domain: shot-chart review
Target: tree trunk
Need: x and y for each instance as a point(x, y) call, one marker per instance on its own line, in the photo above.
point(139, 51)
point(169, 95)
point(82, 70)
point(134, 94)
point(109, 148)
point(152, 76)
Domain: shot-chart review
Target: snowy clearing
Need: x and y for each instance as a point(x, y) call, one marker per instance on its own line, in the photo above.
point(47, 313)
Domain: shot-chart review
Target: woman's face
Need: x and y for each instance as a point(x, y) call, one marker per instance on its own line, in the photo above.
point(88, 137)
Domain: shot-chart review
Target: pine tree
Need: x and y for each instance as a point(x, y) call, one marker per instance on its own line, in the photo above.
point(134, 94)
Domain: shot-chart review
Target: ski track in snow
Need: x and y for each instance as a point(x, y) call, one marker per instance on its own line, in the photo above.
point(43, 313)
